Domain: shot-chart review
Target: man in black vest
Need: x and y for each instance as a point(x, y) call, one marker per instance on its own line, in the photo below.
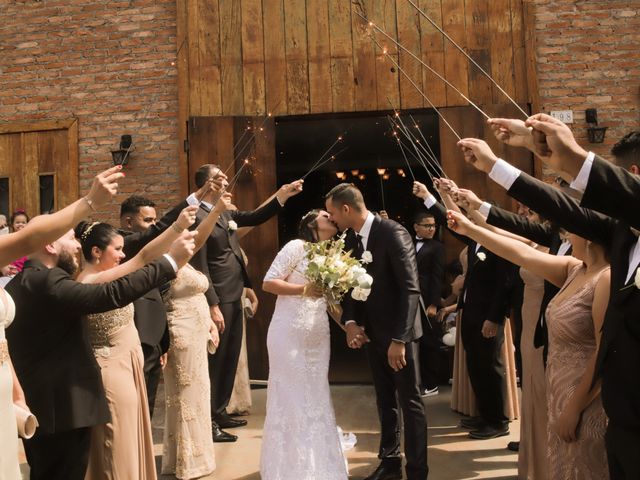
point(222, 263)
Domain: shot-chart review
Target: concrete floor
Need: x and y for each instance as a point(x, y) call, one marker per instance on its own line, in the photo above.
point(452, 455)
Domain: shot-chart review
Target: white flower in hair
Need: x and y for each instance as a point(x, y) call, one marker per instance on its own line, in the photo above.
point(367, 257)
point(481, 256)
point(232, 225)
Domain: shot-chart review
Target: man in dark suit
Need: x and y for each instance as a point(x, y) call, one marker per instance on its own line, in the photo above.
point(430, 262)
point(52, 355)
point(484, 304)
point(614, 192)
point(391, 320)
point(221, 261)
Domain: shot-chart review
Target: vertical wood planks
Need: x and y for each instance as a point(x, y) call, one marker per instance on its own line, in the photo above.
point(342, 83)
point(275, 67)
point(409, 36)
point(432, 45)
point(295, 34)
point(456, 64)
point(208, 41)
point(501, 49)
point(253, 57)
point(519, 58)
point(231, 64)
point(319, 51)
point(387, 75)
point(478, 46)
point(364, 62)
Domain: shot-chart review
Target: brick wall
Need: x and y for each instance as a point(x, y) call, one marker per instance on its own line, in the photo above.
point(588, 56)
point(111, 65)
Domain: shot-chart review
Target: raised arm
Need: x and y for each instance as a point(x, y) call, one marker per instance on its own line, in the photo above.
point(552, 268)
point(264, 213)
point(45, 229)
point(205, 227)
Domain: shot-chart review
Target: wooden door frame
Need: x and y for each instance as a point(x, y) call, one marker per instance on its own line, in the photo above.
point(68, 124)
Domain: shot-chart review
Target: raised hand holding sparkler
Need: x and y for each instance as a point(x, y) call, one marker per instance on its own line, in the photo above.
point(512, 132)
point(289, 190)
point(478, 153)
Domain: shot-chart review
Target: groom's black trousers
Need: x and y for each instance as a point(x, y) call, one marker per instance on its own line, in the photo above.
point(59, 456)
point(405, 384)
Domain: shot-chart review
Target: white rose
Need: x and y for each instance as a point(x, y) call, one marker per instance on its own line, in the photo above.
point(449, 340)
point(232, 225)
point(482, 256)
point(357, 271)
point(365, 281)
point(359, 294)
point(367, 257)
point(637, 278)
point(319, 260)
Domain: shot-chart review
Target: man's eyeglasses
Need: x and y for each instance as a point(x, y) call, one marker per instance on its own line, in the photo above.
point(427, 225)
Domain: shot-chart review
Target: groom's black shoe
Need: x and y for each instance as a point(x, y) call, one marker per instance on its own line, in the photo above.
point(225, 421)
point(220, 435)
point(490, 431)
point(386, 472)
point(472, 423)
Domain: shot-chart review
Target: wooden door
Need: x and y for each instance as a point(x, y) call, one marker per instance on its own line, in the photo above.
point(38, 166)
point(228, 141)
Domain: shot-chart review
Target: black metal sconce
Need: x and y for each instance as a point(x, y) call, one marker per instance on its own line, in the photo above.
point(121, 156)
point(595, 134)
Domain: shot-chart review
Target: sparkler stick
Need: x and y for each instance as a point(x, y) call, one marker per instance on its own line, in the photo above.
point(421, 12)
point(234, 179)
point(382, 192)
point(324, 162)
point(419, 158)
point(319, 162)
point(404, 155)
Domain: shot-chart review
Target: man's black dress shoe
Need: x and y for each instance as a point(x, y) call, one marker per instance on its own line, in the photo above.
point(489, 431)
point(472, 423)
point(513, 446)
point(220, 435)
point(386, 472)
point(225, 421)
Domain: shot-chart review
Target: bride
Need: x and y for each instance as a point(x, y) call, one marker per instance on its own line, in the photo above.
point(300, 439)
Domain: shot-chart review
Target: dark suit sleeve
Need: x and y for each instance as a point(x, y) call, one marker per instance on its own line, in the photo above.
point(437, 276)
point(199, 262)
point(500, 299)
point(541, 233)
point(613, 191)
point(134, 242)
point(440, 214)
point(405, 274)
point(563, 209)
point(258, 216)
point(85, 298)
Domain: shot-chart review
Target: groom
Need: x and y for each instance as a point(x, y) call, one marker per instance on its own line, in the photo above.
point(391, 320)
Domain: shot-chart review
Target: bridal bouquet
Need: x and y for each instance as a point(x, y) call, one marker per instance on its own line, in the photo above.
point(336, 272)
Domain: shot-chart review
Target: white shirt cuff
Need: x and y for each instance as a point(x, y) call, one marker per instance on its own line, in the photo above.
point(580, 182)
point(348, 322)
point(484, 209)
point(192, 200)
point(430, 201)
point(172, 262)
point(504, 174)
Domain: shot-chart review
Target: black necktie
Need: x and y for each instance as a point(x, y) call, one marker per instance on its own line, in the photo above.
point(359, 246)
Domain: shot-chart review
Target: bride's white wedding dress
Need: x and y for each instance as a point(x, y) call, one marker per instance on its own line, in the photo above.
point(300, 438)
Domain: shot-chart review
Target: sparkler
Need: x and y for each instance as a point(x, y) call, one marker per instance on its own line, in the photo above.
point(322, 160)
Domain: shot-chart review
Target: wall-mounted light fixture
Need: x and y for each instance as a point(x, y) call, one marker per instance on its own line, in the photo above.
point(595, 134)
point(381, 171)
point(121, 156)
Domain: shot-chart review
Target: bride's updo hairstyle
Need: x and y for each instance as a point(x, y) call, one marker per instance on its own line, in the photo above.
point(96, 234)
point(308, 226)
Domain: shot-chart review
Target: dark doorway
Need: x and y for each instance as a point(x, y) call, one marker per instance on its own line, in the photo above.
point(301, 141)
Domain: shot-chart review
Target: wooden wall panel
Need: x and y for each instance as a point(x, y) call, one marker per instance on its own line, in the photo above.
point(295, 33)
point(478, 46)
point(319, 48)
point(432, 47)
point(519, 54)
point(274, 58)
point(209, 79)
point(364, 60)
point(456, 64)
point(501, 49)
point(342, 77)
point(409, 37)
point(231, 61)
point(253, 57)
point(387, 76)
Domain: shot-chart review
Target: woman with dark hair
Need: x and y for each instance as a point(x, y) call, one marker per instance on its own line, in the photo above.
point(300, 438)
point(17, 222)
point(576, 422)
point(122, 448)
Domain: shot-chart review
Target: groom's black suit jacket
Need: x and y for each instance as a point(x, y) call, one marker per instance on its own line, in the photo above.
point(609, 190)
point(49, 345)
point(546, 234)
point(220, 259)
point(430, 260)
point(391, 311)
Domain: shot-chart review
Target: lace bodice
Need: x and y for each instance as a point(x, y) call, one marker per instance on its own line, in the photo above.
point(102, 326)
point(290, 264)
point(188, 282)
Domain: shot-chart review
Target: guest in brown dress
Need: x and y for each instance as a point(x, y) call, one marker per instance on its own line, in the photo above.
point(122, 448)
point(577, 421)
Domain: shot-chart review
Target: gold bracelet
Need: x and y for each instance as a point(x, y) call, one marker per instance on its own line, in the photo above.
point(176, 227)
point(90, 203)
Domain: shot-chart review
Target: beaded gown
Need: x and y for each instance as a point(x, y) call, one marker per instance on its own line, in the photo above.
point(122, 448)
point(300, 437)
point(188, 450)
point(571, 344)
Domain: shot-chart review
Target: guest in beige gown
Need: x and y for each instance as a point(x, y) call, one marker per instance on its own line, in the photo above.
point(122, 448)
point(577, 422)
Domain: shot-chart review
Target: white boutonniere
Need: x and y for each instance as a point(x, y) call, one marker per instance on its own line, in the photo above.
point(636, 281)
point(366, 257)
point(481, 256)
point(232, 226)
